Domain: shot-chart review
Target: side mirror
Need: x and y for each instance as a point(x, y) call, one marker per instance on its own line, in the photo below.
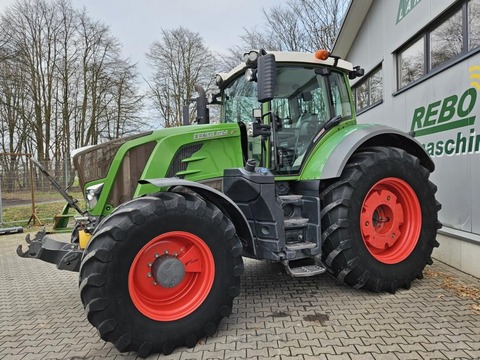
point(356, 72)
point(267, 76)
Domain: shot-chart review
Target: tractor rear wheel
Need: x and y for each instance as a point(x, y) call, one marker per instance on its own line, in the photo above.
point(161, 272)
point(379, 220)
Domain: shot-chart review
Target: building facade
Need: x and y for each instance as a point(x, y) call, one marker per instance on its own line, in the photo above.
point(422, 75)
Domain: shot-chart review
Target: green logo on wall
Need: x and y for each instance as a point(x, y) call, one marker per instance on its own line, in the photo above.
point(452, 112)
point(404, 7)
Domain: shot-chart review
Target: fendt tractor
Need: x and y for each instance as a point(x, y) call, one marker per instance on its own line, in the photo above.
point(286, 175)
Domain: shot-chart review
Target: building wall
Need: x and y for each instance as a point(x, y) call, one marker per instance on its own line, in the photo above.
point(457, 175)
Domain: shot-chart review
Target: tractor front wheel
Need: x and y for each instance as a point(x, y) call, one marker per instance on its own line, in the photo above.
point(379, 220)
point(161, 272)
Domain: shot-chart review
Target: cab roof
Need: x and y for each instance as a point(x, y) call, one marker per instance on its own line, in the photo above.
point(293, 58)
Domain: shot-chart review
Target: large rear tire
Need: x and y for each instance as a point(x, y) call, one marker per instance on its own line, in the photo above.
point(161, 272)
point(379, 220)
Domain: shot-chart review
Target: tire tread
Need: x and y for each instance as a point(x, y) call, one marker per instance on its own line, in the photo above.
point(338, 255)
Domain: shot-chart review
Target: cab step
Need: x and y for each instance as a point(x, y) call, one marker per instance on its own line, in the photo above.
point(300, 245)
point(303, 270)
point(291, 199)
point(295, 222)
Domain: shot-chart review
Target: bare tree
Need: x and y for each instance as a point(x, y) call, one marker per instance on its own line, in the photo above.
point(14, 108)
point(321, 20)
point(123, 103)
point(251, 39)
point(63, 79)
point(63, 83)
point(297, 25)
point(180, 60)
point(286, 28)
point(100, 52)
point(32, 30)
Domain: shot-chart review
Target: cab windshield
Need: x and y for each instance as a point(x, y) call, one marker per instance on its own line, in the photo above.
point(304, 100)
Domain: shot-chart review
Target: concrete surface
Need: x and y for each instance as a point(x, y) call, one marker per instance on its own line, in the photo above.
point(461, 254)
point(275, 317)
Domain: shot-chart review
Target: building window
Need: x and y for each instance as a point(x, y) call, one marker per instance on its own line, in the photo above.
point(412, 62)
point(446, 40)
point(473, 24)
point(369, 91)
point(453, 35)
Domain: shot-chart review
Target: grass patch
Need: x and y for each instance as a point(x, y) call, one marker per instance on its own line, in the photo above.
point(19, 215)
point(40, 196)
point(47, 205)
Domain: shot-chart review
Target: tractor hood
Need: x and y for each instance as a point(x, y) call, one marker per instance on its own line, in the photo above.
point(110, 172)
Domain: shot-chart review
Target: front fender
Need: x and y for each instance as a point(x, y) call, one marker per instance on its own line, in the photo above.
point(216, 197)
point(330, 156)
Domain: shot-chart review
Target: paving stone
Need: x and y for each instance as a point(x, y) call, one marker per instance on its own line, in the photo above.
point(279, 352)
point(362, 357)
point(316, 357)
point(324, 350)
point(338, 357)
point(388, 356)
point(473, 354)
point(458, 346)
point(367, 349)
point(354, 341)
point(457, 354)
point(409, 356)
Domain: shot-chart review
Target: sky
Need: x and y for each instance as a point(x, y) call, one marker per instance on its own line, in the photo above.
point(138, 23)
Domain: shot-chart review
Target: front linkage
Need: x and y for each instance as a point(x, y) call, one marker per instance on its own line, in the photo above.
point(66, 256)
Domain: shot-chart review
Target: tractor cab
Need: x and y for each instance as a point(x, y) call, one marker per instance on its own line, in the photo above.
point(282, 128)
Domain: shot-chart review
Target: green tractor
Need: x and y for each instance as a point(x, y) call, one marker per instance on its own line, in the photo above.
point(286, 175)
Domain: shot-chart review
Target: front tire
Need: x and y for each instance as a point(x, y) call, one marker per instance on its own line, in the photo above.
point(379, 220)
point(161, 272)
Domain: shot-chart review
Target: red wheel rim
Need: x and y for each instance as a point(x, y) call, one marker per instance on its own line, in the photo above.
point(391, 220)
point(185, 293)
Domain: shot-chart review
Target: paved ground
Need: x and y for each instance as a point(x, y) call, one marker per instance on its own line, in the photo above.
point(275, 317)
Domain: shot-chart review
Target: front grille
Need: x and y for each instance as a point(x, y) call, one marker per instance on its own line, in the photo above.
point(184, 152)
point(94, 162)
point(130, 171)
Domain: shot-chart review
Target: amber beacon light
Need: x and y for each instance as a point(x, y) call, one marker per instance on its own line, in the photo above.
point(322, 54)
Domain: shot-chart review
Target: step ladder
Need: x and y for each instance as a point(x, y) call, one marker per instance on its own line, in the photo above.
point(303, 270)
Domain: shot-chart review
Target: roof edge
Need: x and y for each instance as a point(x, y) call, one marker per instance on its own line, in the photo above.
point(353, 20)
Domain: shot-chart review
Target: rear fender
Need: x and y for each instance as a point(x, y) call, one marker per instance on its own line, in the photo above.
point(217, 198)
point(329, 157)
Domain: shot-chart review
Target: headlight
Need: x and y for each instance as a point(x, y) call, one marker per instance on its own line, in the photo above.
point(92, 193)
point(251, 56)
